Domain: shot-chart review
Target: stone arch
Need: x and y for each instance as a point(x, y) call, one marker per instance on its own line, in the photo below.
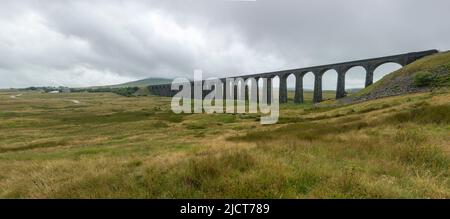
point(384, 69)
point(355, 77)
point(261, 92)
point(245, 88)
point(240, 88)
point(329, 83)
point(272, 81)
point(308, 85)
point(394, 61)
point(290, 84)
point(275, 80)
point(253, 87)
point(276, 84)
point(282, 85)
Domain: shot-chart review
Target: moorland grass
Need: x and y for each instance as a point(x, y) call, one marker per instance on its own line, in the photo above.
point(116, 147)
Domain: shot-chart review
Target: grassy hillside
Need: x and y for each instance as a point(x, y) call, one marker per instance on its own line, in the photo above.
point(142, 83)
point(101, 145)
point(424, 74)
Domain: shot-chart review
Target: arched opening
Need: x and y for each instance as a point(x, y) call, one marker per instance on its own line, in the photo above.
point(248, 86)
point(329, 84)
point(291, 87)
point(253, 85)
point(355, 79)
point(240, 89)
point(276, 82)
point(244, 88)
point(385, 69)
point(308, 86)
point(260, 88)
point(275, 85)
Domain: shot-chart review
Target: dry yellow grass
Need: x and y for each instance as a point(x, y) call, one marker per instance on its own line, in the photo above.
point(109, 146)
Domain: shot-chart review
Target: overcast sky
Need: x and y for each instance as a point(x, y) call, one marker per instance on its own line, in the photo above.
point(83, 43)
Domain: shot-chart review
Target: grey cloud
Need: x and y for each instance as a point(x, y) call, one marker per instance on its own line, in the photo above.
point(81, 43)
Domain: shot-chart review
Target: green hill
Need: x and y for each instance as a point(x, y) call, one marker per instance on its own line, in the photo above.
point(141, 83)
point(422, 75)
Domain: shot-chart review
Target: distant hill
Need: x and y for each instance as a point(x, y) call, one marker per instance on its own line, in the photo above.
point(140, 83)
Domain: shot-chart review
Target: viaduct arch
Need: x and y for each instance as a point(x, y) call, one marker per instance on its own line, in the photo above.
point(341, 68)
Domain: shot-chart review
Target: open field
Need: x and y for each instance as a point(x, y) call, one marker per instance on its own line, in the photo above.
point(101, 145)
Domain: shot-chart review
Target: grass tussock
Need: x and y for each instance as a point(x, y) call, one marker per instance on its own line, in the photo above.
point(439, 114)
point(414, 149)
point(303, 131)
point(44, 144)
point(170, 117)
point(201, 171)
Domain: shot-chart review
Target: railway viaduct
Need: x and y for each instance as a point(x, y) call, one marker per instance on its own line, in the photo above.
point(341, 68)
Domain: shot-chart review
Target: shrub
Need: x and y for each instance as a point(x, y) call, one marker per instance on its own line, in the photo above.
point(126, 91)
point(443, 80)
point(423, 79)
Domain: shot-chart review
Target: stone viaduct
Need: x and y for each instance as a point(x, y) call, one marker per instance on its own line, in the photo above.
point(341, 68)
